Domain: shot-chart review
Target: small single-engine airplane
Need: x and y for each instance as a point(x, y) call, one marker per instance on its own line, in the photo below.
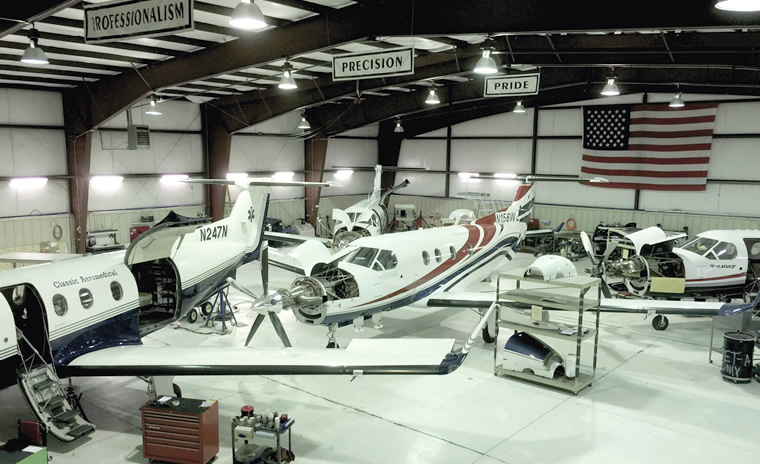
point(717, 264)
point(382, 273)
point(86, 316)
point(366, 218)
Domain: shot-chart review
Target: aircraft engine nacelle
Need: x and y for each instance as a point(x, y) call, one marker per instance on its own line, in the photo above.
point(307, 297)
point(634, 267)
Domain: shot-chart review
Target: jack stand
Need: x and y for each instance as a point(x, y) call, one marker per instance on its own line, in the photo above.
point(377, 320)
point(224, 303)
point(331, 341)
point(73, 399)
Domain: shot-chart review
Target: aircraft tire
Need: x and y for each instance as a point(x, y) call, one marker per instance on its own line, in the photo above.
point(192, 316)
point(487, 337)
point(660, 322)
point(333, 345)
point(206, 308)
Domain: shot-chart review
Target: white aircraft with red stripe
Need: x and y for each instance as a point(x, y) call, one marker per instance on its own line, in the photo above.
point(386, 272)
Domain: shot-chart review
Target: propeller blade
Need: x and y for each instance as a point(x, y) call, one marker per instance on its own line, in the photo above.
point(279, 329)
point(265, 267)
point(240, 288)
point(254, 328)
point(589, 249)
point(610, 248)
point(605, 288)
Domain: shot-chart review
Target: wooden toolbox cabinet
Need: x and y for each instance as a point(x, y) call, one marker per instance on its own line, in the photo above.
point(184, 434)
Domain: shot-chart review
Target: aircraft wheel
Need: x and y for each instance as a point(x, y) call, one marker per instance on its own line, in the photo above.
point(333, 345)
point(177, 390)
point(192, 316)
point(206, 308)
point(660, 322)
point(487, 337)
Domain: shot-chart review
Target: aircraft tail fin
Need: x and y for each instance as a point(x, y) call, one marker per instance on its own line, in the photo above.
point(519, 211)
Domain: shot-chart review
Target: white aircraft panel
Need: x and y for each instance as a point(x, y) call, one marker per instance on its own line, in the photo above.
point(32, 152)
point(504, 124)
point(422, 183)
point(429, 154)
point(265, 154)
point(555, 157)
point(560, 122)
point(168, 153)
point(569, 193)
point(734, 159)
point(350, 152)
point(51, 198)
point(722, 199)
point(490, 155)
point(31, 107)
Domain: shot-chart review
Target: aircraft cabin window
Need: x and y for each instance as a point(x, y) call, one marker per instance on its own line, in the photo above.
point(700, 245)
point(60, 305)
point(453, 252)
point(469, 249)
point(363, 256)
point(425, 258)
point(438, 256)
point(725, 250)
point(116, 290)
point(85, 296)
point(387, 259)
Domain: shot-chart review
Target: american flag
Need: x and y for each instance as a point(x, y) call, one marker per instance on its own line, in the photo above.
point(648, 147)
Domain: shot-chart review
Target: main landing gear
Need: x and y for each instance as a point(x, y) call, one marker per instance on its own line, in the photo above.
point(332, 342)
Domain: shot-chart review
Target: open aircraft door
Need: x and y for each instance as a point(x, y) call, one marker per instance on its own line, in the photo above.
point(8, 346)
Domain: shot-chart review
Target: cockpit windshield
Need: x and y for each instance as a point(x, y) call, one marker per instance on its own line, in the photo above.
point(700, 245)
point(362, 257)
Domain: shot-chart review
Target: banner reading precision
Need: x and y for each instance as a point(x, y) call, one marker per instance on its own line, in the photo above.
point(136, 18)
point(392, 62)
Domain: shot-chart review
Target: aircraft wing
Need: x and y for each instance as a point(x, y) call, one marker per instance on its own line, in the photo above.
point(294, 238)
point(463, 300)
point(362, 356)
point(695, 308)
point(301, 259)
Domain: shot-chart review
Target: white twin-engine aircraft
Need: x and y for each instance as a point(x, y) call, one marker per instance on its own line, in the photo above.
point(385, 272)
point(86, 316)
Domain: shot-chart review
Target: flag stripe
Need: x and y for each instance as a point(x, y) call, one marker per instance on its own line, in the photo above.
point(643, 173)
point(652, 180)
point(685, 147)
point(668, 121)
point(667, 109)
point(642, 186)
point(589, 159)
point(670, 134)
point(649, 154)
point(667, 128)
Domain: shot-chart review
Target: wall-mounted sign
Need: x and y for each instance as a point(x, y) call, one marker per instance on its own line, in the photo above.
point(121, 19)
point(510, 85)
point(366, 65)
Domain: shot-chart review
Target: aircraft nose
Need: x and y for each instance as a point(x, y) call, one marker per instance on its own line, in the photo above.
point(270, 298)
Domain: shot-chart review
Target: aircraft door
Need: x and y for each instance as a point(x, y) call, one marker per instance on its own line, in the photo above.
point(30, 321)
point(753, 260)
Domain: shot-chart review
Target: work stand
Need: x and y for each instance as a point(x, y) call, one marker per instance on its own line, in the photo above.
point(222, 303)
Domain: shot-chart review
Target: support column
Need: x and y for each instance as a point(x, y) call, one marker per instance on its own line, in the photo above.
point(216, 146)
point(388, 151)
point(78, 149)
point(315, 152)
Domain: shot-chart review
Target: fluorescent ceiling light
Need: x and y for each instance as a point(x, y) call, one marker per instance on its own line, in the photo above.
point(467, 175)
point(432, 98)
point(501, 175)
point(519, 108)
point(173, 178)
point(247, 16)
point(236, 175)
point(486, 64)
point(283, 176)
point(738, 5)
point(611, 89)
point(106, 181)
point(344, 174)
point(25, 183)
point(677, 101)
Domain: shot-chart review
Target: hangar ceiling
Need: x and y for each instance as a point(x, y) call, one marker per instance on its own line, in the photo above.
point(653, 47)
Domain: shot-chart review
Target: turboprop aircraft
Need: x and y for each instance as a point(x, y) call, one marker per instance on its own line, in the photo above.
point(382, 273)
point(719, 264)
point(86, 316)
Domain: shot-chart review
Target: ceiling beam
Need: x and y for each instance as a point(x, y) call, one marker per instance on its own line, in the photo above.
point(27, 12)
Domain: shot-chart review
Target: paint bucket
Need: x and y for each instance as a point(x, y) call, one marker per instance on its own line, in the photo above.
point(737, 356)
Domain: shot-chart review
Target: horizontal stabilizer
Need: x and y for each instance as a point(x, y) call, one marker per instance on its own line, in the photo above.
point(245, 183)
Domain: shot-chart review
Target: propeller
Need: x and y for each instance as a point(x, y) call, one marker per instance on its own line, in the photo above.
point(598, 263)
point(264, 258)
point(264, 305)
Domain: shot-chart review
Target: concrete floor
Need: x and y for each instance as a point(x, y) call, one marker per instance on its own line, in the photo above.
point(656, 400)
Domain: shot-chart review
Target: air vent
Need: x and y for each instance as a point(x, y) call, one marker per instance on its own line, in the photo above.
point(138, 137)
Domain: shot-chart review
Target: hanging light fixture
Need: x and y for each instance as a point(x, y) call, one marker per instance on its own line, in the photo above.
point(399, 129)
point(677, 101)
point(738, 5)
point(519, 108)
point(247, 16)
point(153, 109)
point(432, 98)
point(33, 53)
point(304, 124)
point(287, 82)
point(486, 64)
point(611, 89)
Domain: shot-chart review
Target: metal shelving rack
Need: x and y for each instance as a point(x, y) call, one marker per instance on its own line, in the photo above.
point(547, 297)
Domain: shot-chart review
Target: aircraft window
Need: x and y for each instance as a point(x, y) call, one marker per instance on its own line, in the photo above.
point(425, 258)
point(387, 259)
point(377, 267)
point(85, 296)
point(700, 245)
point(60, 305)
point(453, 252)
point(116, 290)
point(19, 292)
point(363, 256)
point(469, 249)
point(725, 250)
point(438, 255)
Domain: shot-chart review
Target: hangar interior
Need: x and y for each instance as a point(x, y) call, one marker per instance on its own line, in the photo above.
point(656, 397)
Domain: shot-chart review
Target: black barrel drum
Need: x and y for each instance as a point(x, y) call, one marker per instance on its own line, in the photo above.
point(737, 356)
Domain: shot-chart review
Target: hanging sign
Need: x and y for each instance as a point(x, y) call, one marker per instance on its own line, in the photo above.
point(510, 85)
point(386, 63)
point(121, 19)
